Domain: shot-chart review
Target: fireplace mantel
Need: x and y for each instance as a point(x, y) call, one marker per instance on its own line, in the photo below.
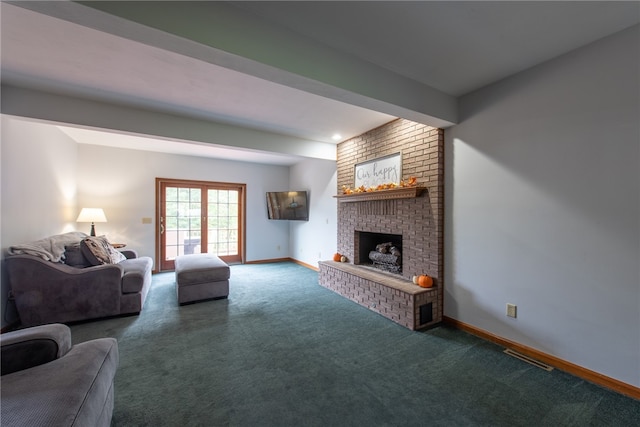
point(395, 193)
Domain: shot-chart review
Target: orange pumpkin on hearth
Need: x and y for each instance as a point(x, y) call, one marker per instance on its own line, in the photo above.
point(425, 281)
point(336, 257)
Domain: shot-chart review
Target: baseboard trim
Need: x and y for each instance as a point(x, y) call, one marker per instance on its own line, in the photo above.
point(304, 264)
point(563, 365)
point(267, 261)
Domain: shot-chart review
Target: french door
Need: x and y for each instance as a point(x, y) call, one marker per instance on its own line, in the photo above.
point(199, 217)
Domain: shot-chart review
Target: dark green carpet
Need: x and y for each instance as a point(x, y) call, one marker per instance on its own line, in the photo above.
point(284, 351)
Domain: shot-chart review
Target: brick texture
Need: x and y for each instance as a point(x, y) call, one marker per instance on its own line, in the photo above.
point(394, 299)
point(419, 220)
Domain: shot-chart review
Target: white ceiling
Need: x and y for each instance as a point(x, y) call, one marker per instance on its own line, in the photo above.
point(452, 47)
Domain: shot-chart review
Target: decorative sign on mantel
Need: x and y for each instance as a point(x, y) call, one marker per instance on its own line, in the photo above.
point(379, 171)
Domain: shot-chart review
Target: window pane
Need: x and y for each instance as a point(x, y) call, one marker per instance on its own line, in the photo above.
point(172, 237)
point(171, 194)
point(171, 223)
point(171, 209)
point(183, 194)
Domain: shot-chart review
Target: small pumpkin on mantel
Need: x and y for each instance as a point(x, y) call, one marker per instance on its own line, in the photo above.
point(337, 257)
point(425, 281)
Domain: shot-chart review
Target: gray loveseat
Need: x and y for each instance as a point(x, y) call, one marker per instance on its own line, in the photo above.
point(61, 284)
point(48, 382)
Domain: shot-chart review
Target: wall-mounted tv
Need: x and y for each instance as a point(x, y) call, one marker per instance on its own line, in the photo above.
point(289, 205)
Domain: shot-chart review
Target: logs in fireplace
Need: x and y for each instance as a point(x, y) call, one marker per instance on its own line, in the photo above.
point(388, 257)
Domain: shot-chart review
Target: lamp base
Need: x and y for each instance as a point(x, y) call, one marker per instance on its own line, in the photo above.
point(93, 230)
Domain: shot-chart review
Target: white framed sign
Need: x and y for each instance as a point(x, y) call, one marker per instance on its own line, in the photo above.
point(382, 170)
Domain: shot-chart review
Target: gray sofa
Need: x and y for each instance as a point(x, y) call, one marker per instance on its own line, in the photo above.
point(48, 382)
point(72, 289)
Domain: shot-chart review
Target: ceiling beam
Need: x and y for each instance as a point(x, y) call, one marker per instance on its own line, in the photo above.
point(226, 36)
point(63, 109)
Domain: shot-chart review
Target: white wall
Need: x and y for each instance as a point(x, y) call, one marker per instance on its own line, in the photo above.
point(38, 170)
point(38, 186)
point(543, 208)
point(122, 182)
point(316, 239)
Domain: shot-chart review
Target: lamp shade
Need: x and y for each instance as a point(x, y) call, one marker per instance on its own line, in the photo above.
point(91, 215)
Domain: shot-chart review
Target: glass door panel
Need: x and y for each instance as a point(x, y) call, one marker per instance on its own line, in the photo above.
point(197, 217)
point(222, 219)
point(181, 223)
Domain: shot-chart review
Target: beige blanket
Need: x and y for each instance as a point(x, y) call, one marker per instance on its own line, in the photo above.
point(49, 248)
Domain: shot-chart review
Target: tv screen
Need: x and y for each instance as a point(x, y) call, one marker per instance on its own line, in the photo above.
point(289, 205)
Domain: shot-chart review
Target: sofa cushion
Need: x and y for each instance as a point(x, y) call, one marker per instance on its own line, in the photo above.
point(99, 251)
point(73, 256)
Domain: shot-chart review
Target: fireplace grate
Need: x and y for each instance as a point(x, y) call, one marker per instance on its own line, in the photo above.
point(391, 268)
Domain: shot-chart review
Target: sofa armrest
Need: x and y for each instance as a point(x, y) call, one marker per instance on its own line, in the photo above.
point(74, 390)
point(129, 253)
point(26, 348)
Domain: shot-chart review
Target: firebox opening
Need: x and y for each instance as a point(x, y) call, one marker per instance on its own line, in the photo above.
point(380, 250)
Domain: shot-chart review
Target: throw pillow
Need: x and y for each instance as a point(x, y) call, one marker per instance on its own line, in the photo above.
point(73, 256)
point(95, 250)
point(116, 255)
point(99, 251)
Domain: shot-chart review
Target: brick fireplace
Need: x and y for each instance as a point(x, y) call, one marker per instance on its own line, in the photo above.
point(416, 218)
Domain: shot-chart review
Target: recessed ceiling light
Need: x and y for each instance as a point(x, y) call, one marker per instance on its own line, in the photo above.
point(336, 137)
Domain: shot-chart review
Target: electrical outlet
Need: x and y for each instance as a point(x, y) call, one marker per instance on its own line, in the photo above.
point(512, 310)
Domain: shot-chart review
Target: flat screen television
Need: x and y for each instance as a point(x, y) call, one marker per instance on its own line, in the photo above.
point(288, 205)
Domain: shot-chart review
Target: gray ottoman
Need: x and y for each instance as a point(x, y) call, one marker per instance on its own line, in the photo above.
point(200, 277)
